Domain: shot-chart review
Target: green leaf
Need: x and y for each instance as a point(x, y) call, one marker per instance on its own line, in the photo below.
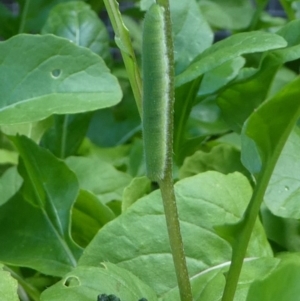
point(197, 121)
point(35, 225)
point(281, 79)
point(290, 33)
point(222, 158)
point(283, 231)
point(8, 286)
point(185, 96)
point(282, 196)
point(192, 34)
point(117, 156)
point(264, 136)
point(240, 99)
point(283, 284)
point(88, 216)
point(70, 79)
point(76, 22)
point(232, 47)
point(8, 25)
point(141, 230)
point(86, 283)
point(8, 157)
point(137, 165)
point(67, 134)
point(232, 14)
point(117, 124)
point(220, 76)
point(206, 119)
point(99, 177)
point(137, 188)
point(36, 13)
point(32, 130)
point(145, 4)
point(209, 285)
point(10, 183)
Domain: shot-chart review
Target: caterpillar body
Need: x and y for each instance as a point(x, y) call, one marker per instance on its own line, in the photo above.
point(157, 92)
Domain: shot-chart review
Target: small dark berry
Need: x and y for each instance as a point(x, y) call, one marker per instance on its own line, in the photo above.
point(102, 297)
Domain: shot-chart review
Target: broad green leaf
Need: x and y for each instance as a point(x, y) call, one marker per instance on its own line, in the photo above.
point(66, 135)
point(76, 22)
point(283, 284)
point(232, 139)
point(137, 165)
point(86, 283)
point(206, 119)
point(217, 78)
point(8, 286)
point(9, 23)
point(10, 183)
point(145, 4)
point(282, 78)
point(8, 157)
point(203, 201)
point(118, 124)
point(47, 75)
point(185, 96)
point(282, 196)
point(192, 34)
point(232, 47)
point(32, 130)
point(197, 121)
point(88, 216)
point(240, 99)
point(290, 33)
point(263, 138)
point(96, 5)
point(209, 284)
point(35, 223)
point(222, 158)
point(117, 156)
point(99, 177)
point(29, 284)
point(283, 231)
point(37, 12)
point(137, 188)
point(263, 135)
point(230, 14)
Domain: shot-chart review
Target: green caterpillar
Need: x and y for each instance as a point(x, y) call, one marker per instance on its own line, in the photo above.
point(157, 92)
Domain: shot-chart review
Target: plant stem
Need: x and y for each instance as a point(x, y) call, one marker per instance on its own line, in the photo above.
point(29, 289)
point(243, 236)
point(169, 201)
point(23, 17)
point(245, 227)
point(123, 41)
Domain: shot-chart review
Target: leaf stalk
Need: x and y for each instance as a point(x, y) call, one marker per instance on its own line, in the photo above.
point(123, 40)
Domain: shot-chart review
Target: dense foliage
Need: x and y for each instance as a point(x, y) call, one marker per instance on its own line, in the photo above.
point(78, 218)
